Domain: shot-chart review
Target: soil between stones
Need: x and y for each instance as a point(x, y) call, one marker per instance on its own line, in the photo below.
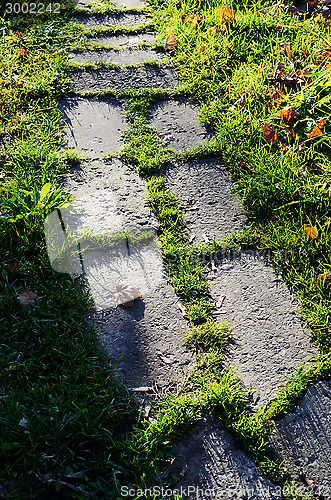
point(120, 79)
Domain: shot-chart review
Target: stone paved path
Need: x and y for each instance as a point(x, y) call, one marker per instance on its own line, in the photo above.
point(146, 341)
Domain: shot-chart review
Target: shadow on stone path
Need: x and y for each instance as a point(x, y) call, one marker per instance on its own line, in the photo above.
point(146, 341)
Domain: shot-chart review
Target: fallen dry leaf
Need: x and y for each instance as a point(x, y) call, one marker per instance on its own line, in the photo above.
point(182, 309)
point(277, 96)
point(213, 267)
point(283, 48)
point(205, 238)
point(171, 44)
point(140, 389)
point(317, 130)
point(269, 133)
point(126, 294)
point(220, 301)
point(22, 53)
point(311, 232)
point(290, 116)
point(146, 410)
point(225, 14)
point(195, 19)
point(321, 279)
point(27, 298)
point(192, 237)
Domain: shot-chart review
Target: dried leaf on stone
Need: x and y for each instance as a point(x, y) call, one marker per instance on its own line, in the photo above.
point(311, 232)
point(290, 116)
point(269, 133)
point(171, 44)
point(126, 294)
point(27, 298)
point(140, 389)
point(182, 309)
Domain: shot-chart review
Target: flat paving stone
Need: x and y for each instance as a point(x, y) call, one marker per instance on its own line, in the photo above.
point(123, 79)
point(303, 438)
point(144, 341)
point(124, 40)
point(94, 126)
point(129, 4)
point(216, 468)
point(268, 339)
point(121, 57)
point(209, 204)
point(118, 19)
point(178, 125)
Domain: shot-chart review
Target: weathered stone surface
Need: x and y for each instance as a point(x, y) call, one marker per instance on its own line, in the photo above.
point(216, 468)
point(92, 125)
point(123, 79)
point(120, 19)
point(268, 339)
point(121, 57)
point(124, 40)
point(178, 125)
point(144, 341)
point(303, 438)
point(209, 203)
point(129, 4)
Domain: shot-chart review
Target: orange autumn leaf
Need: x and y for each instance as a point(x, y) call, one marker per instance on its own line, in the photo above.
point(311, 232)
point(321, 279)
point(317, 130)
point(269, 133)
point(277, 96)
point(22, 53)
point(290, 116)
point(195, 19)
point(225, 14)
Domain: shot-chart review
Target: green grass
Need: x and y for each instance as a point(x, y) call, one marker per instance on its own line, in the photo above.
point(78, 419)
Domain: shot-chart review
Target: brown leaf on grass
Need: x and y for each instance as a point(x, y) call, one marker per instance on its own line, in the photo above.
point(269, 133)
point(283, 48)
point(171, 44)
point(311, 232)
point(225, 14)
point(27, 298)
point(126, 294)
point(290, 116)
point(317, 130)
point(195, 19)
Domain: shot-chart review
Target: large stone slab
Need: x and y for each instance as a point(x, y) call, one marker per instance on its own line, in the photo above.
point(216, 468)
point(303, 438)
point(268, 339)
point(145, 341)
point(178, 125)
point(129, 4)
point(209, 203)
point(124, 40)
point(94, 126)
point(119, 19)
point(121, 57)
point(124, 79)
